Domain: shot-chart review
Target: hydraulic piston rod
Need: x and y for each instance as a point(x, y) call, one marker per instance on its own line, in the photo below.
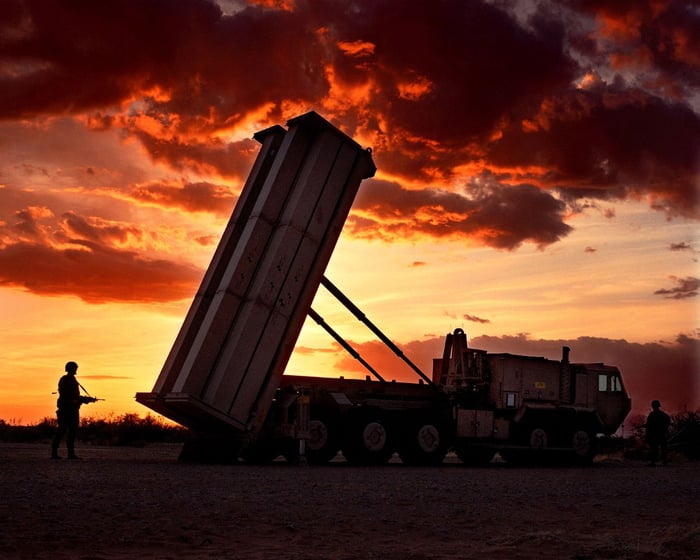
point(316, 317)
point(342, 298)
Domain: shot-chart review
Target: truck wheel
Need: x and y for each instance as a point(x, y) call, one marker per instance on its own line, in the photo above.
point(425, 443)
point(584, 447)
point(323, 444)
point(538, 439)
point(367, 440)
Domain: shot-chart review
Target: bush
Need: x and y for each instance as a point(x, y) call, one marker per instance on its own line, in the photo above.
point(683, 437)
point(128, 429)
point(15, 433)
point(685, 434)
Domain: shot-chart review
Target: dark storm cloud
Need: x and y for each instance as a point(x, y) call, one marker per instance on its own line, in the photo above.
point(659, 39)
point(499, 216)
point(475, 59)
point(70, 56)
point(609, 143)
point(510, 90)
point(74, 56)
point(447, 85)
point(444, 75)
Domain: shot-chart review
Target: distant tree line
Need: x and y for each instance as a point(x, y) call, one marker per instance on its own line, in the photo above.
point(127, 429)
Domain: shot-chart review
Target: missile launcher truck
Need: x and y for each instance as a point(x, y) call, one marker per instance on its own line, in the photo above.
point(225, 380)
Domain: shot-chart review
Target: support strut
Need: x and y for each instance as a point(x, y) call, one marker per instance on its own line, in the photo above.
point(316, 317)
point(342, 298)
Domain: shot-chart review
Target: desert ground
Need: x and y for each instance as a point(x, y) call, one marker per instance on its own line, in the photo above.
point(142, 503)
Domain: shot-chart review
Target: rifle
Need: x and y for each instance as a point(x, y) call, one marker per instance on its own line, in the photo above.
point(88, 395)
point(92, 399)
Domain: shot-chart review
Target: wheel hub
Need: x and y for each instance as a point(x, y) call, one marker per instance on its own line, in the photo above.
point(428, 438)
point(319, 435)
point(374, 436)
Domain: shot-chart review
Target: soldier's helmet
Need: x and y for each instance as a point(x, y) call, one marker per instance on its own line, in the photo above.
point(71, 367)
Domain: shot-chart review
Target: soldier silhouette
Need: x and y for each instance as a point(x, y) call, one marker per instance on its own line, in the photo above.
point(68, 413)
point(656, 431)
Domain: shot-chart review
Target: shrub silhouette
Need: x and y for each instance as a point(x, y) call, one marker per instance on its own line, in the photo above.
point(127, 429)
point(683, 437)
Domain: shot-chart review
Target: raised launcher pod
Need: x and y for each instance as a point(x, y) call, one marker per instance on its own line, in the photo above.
point(230, 354)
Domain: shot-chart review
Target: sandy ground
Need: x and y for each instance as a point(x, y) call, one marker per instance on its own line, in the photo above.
point(142, 503)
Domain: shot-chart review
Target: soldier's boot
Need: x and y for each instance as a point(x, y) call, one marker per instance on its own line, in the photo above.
point(54, 450)
point(71, 453)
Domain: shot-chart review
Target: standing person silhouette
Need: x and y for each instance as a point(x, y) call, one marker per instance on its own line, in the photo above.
point(69, 402)
point(656, 430)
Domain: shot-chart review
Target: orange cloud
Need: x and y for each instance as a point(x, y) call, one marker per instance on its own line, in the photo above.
point(356, 48)
point(191, 197)
point(95, 274)
point(288, 5)
point(209, 157)
point(87, 258)
point(415, 89)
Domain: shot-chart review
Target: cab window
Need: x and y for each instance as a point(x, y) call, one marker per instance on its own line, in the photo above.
point(615, 384)
point(609, 383)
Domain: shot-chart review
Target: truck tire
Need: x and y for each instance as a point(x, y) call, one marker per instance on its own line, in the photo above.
point(367, 439)
point(535, 442)
point(424, 443)
point(324, 442)
point(584, 446)
point(538, 439)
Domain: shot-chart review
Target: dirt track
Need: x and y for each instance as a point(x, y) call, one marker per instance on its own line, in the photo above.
point(141, 503)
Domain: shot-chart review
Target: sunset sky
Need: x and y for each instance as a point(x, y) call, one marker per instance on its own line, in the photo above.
point(537, 182)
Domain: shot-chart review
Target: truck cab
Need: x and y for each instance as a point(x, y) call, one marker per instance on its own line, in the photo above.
point(528, 406)
point(612, 401)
